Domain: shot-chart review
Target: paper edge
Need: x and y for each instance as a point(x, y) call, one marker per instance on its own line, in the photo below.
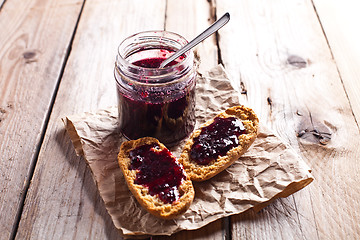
point(74, 137)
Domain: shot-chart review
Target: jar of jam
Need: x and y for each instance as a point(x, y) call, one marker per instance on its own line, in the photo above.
point(154, 101)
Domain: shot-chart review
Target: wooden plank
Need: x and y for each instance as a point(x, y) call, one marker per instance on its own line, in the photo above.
point(277, 54)
point(63, 202)
point(189, 18)
point(212, 231)
point(340, 21)
point(30, 67)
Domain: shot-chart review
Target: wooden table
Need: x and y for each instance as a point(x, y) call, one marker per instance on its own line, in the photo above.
point(295, 62)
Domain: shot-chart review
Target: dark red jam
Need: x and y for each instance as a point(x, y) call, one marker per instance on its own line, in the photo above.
point(144, 112)
point(152, 62)
point(216, 139)
point(158, 170)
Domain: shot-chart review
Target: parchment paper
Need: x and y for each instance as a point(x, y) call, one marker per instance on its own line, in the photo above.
point(269, 169)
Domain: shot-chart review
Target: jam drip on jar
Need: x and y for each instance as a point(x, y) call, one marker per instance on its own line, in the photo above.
point(157, 170)
point(216, 139)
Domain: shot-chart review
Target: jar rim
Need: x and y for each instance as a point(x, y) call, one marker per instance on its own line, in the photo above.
point(155, 39)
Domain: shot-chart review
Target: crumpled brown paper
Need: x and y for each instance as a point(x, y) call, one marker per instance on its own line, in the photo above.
point(269, 169)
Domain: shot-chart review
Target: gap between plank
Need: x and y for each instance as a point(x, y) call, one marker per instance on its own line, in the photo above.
point(337, 68)
point(227, 227)
point(213, 15)
point(43, 131)
point(165, 15)
point(217, 36)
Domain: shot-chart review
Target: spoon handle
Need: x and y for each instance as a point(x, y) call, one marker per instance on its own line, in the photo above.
point(210, 30)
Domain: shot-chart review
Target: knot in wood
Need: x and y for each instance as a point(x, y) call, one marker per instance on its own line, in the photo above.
point(314, 131)
point(29, 54)
point(296, 61)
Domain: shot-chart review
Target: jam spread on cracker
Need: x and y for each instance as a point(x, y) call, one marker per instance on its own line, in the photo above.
point(216, 139)
point(158, 170)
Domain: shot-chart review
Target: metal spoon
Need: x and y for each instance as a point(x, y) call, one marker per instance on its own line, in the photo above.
point(210, 30)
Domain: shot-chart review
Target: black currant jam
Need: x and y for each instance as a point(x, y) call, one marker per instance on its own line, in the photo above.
point(158, 170)
point(216, 139)
point(152, 62)
point(168, 121)
point(153, 101)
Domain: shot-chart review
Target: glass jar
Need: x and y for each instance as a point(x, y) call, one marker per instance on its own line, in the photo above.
point(153, 101)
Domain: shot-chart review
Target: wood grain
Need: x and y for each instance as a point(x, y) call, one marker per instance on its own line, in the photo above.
point(294, 62)
point(63, 202)
point(213, 231)
point(189, 19)
point(30, 66)
point(339, 19)
point(278, 53)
